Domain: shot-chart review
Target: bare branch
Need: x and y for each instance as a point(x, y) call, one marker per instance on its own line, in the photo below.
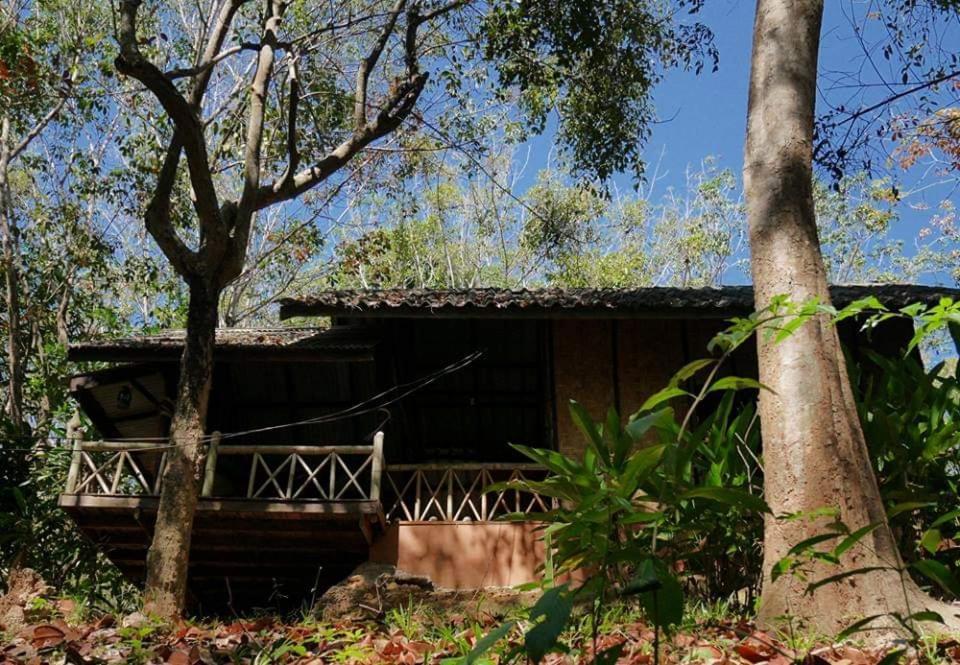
point(184, 260)
point(293, 153)
point(188, 129)
point(368, 64)
point(246, 207)
point(184, 72)
point(403, 96)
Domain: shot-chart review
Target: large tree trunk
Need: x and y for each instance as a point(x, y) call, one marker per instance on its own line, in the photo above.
point(11, 258)
point(167, 560)
point(814, 450)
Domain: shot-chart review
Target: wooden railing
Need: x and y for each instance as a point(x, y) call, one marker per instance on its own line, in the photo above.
point(275, 472)
point(409, 492)
point(459, 492)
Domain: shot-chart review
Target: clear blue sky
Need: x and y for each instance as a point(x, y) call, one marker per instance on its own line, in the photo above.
point(706, 114)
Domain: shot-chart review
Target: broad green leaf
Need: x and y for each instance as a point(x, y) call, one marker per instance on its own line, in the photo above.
point(854, 538)
point(583, 421)
point(550, 612)
point(553, 460)
point(485, 643)
point(907, 506)
point(893, 657)
point(639, 426)
point(927, 616)
point(938, 573)
point(946, 517)
point(690, 369)
point(856, 627)
point(781, 567)
point(662, 396)
point(663, 605)
point(931, 540)
point(813, 586)
point(737, 383)
point(729, 496)
point(640, 464)
point(807, 543)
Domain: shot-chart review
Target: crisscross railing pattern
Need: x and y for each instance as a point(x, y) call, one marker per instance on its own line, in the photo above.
point(279, 472)
point(459, 492)
point(113, 468)
point(307, 473)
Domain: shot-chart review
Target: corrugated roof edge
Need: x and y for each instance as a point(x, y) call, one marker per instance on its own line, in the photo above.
point(667, 301)
point(234, 340)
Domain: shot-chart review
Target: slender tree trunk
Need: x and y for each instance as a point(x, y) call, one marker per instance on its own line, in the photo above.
point(814, 450)
point(169, 553)
point(8, 230)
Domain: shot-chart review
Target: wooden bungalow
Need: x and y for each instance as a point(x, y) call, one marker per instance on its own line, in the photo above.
point(374, 434)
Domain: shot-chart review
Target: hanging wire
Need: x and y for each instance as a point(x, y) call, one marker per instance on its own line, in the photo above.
point(369, 405)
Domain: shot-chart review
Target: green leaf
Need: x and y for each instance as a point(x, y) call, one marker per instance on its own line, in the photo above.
point(662, 396)
point(845, 574)
point(664, 606)
point(907, 506)
point(637, 585)
point(554, 461)
point(854, 538)
point(583, 421)
point(946, 517)
point(856, 627)
point(931, 540)
point(640, 464)
point(690, 369)
point(893, 657)
point(781, 567)
point(485, 643)
point(638, 426)
point(927, 616)
point(807, 543)
point(729, 496)
point(737, 383)
point(552, 610)
point(938, 573)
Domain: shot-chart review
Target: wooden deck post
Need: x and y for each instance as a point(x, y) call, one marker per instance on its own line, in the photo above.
point(377, 466)
point(74, 434)
point(210, 468)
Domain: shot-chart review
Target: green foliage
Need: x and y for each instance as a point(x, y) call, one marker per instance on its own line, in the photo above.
point(911, 420)
point(596, 64)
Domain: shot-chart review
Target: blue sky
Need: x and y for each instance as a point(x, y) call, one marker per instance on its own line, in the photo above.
point(705, 115)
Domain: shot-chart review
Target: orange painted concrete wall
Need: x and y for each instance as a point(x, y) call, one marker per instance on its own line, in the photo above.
point(461, 555)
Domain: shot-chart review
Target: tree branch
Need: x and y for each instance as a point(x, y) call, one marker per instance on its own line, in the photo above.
point(293, 153)
point(157, 218)
point(403, 96)
point(368, 64)
point(246, 207)
point(188, 129)
point(183, 72)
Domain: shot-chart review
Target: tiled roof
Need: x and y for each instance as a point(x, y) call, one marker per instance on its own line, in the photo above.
point(229, 340)
point(719, 301)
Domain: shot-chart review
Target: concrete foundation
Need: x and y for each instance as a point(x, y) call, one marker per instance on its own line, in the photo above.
point(463, 555)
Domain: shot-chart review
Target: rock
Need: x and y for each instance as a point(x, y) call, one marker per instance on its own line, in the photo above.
point(374, 588)
point(23, 586)
point(134, 620)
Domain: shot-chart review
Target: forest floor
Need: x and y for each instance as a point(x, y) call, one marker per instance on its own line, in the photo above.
point(47, 629)
point(411, 635)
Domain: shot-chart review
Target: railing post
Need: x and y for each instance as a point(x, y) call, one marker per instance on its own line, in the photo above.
point(210, 465)
point(376, 469)
point(450, 473)
point(75, 434)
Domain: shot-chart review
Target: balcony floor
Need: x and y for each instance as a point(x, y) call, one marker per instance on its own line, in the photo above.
point(244, 552)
